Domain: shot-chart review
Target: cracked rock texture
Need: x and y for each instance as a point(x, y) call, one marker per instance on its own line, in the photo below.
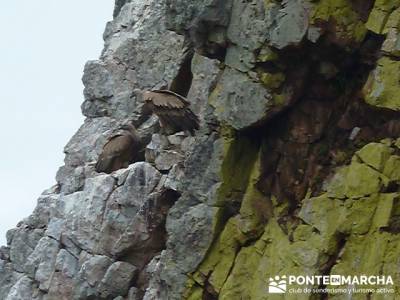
point(295, 170)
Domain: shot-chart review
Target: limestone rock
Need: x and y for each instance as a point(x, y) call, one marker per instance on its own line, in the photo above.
point(22, 245)
point(90, 275)
point(98, 89)
point(66, 263)
point(158, 143)
point(22, 290)
point(8, 278)
point(126, 206)
point(167, 159)
point(204, 23)
point(117, 280)
point(84, 211)
point(240, 102)
point(291, 24)
point(40, 264)
point(251, 35)
point(44, 210)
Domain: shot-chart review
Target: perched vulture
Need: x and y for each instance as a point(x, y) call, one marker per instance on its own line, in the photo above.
point(121, 149)
point(172, 110)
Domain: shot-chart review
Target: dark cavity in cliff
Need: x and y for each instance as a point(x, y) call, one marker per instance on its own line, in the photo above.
point(183, 80)
point(325, 123)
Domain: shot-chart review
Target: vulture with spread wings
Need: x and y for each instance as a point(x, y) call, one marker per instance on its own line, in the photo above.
point(122, 149)
point(172, 110)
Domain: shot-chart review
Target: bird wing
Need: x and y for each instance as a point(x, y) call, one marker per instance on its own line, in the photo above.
point(182, 118)
point(117, 144)
point(114, 148)
point(168, 98)
point(173, 110)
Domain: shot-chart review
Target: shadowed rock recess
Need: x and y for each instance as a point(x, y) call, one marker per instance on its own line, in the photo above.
point(295, 170)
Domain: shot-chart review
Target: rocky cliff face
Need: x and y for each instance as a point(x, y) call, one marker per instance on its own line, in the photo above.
point(296, 168)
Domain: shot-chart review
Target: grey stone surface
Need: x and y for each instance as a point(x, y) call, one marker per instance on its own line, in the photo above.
point(239, 101)
point(90, 275)
point(40, 263)
point(61, 288)
point(118, 6)
point(204, 23)
point(97, 81)
point(55, 228)
point(167, 159)
point(195, 230)
point(133, 294)
point(134, 56)
point(291, 24)
point(8, 277)
point(158, 143)
point(281, 25)
point(84, 211)
point(4, 253)
point(174, 177)
point(391, 45)
point(22, 290)
point(23, 243)
point(66, 263)
point(205, 73)
point(45, 208)
point(240, 58)
point(117, 280)
point(157, 287)
point(189, 222)
point(125, 205)
point(251, 35)
point(181, 13)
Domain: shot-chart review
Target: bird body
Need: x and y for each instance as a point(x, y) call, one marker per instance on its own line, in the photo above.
point(121, 149)
point(172, 110)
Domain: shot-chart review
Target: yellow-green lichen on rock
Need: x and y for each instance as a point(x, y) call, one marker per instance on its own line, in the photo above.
point(383, 85)
point(240, 154)
point(217, 264)
point(354, 231)
point(392, 168)
point(362, 180)
point(348, 24)
point(380, 14)
point(375, 155)
point(362, 254)
point(393, 22)
point(239, 229)
point(356, 181)
point(361, 221)
point(255, 208)
point(271, 80)
point(255, 264)
point(386, 210)
point(267, 55)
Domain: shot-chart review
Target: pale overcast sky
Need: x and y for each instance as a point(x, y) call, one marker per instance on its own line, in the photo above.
point(44, 45)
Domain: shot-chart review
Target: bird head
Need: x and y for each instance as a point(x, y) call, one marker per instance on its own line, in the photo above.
point(128, 127)
point(147, 96)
